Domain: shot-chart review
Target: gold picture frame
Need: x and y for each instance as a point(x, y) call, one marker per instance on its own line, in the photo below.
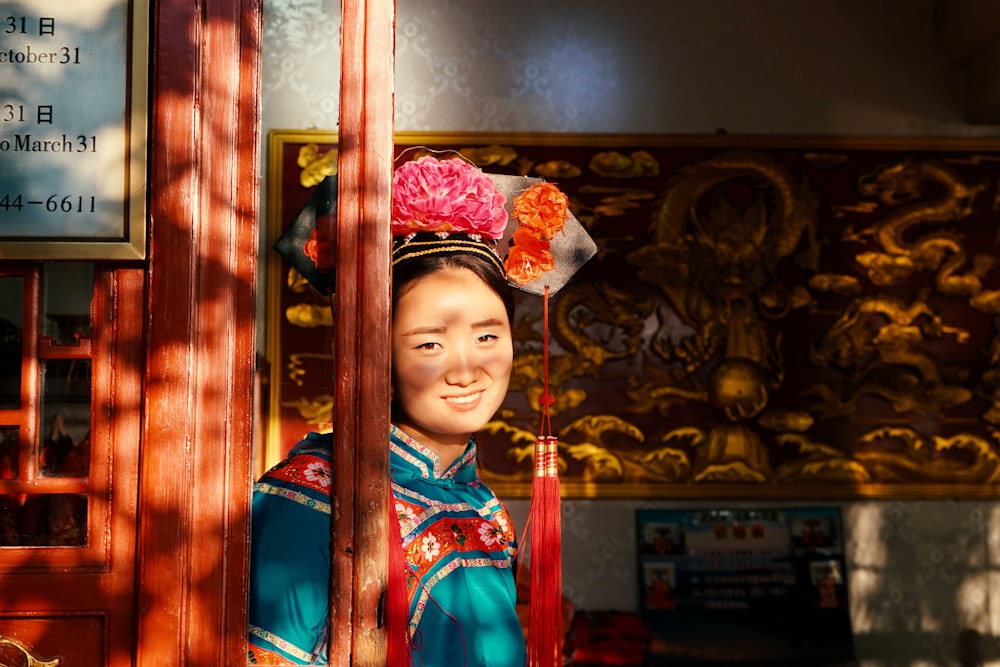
point(767, 317)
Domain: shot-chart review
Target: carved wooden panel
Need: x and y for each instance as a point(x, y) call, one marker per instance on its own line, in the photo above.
point(766, 317)
point(53, 640)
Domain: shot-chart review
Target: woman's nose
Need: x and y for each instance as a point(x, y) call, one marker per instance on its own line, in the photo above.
point(463, 369)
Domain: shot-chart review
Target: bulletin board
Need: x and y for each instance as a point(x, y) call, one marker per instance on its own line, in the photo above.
point(744, 586)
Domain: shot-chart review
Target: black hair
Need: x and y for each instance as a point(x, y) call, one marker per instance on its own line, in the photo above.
point(413, 268)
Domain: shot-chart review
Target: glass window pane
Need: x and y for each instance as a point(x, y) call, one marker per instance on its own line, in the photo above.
point(43, 520)
point(10, 451)
point(10, 512)
point(64, 447)
point(67, 290)
point(64, 428)
point(11, 328)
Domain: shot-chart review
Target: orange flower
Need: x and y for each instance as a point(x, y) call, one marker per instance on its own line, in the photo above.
point(542, 208)
point(311, 248)
point(529, 257)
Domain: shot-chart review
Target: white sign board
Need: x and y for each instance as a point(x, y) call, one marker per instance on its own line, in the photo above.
point(73, 129)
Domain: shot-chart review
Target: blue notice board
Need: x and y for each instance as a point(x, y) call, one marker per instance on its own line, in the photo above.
point(728, 586)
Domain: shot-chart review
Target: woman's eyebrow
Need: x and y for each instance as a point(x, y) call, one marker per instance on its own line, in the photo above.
point(420, 331)
point(487, 324)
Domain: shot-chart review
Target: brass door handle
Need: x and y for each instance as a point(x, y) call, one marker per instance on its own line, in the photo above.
point(32, 660)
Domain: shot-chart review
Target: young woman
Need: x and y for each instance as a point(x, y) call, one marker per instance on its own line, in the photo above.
point(452, 355)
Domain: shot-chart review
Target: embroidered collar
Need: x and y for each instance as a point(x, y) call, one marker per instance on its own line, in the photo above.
point(314, 443)
point(406, 455)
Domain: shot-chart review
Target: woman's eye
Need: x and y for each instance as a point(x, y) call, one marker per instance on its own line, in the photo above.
point(428, 346)
point(485, 338)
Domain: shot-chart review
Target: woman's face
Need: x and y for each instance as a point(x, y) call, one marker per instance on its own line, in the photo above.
point(451, 356)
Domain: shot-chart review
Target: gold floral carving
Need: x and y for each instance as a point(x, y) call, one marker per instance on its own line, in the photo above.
point(316, 164)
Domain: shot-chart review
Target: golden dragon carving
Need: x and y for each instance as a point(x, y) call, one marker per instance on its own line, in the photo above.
point(717, 270)
point(913, 237)
point(619, 315)
point(883, 344)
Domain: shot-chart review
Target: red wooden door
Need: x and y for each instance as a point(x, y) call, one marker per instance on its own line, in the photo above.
point(70, 382)
point(152, 570)
point(145, 563)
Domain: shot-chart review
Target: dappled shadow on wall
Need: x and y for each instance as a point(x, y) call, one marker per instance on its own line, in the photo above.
point(923, 581)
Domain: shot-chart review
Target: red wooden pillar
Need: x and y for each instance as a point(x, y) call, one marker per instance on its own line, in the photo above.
point(198, 411)
point(361, 304)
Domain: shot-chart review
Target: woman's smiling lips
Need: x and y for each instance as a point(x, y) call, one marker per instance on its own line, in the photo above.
point(465, 401)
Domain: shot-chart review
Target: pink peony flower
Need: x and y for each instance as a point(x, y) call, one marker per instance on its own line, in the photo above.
point(431, 195)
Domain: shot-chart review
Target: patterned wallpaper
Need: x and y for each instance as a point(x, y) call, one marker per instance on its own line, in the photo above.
point(663, 66)
point(921, 573)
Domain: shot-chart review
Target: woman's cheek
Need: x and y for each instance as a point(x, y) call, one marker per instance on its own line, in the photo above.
point(501, 364)
point(500, 371)
point(418, 375)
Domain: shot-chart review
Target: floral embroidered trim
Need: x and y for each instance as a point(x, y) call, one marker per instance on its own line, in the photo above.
point(425, 591)
point(306, 468)
point(318, 472)
point(261, 656)
point(275, 640)
point(450, 537)
point(294, 496)
point(431, 508)
point(456, 467)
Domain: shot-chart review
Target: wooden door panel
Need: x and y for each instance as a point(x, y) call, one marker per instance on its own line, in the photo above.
point(54, 640)
point(74, 601)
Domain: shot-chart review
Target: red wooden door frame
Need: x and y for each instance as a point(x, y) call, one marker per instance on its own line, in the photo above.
point(203, 217)
point(361, 378)
point(195, 455)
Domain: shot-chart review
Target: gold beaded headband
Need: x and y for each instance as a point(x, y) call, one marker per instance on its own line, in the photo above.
point(451, 245)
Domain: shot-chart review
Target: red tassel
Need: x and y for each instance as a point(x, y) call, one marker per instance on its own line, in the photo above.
point(545, 629)
point(397, 604)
